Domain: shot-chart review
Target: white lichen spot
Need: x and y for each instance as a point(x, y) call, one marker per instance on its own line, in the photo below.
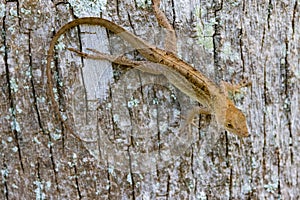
point(254, 164)
point(15, 149)
point(60, 83)
point(55, 94)
point(74, 156)
point(205, 33)
point(4, 174)
point(60, 46)
point(143, 4)
point(272, 187)
point(227, 53)
point(13, 12)
point(296, 75)
point(133, 103)
point(246, 188)
point(108, 105)
point(107, 186)
point(163, 126)
point(176, 112)
point(201, 196)
point(9, 139)
point(287, 104)
point(116, 118)
point(137, 184)
point(290, 140)
point(35, 139)
point(226, 48)
point(55, 136)
point(7, 117)
point(235, 3)
point(173, 96)
point(15, 186)
point(58, 130)
point(39, 190)
point(70, 164)
point(15, 125)
point(28, 73)
point(25, 11)
point(129, 180)
point(2, 10)
point(48, 185)
point(64, 117)
point(3, 142)
point(18, 109)
point(111, 170)
point(190, 184)
point(50, 144)
point(2, 49)
point(52, 65)
point(41, 99)
point(155, 101)
point(12, 30)
point(13, 85)
point(88, 7)
point(153, 112)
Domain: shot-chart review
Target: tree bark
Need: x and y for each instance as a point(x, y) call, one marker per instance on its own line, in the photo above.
point(128, 121)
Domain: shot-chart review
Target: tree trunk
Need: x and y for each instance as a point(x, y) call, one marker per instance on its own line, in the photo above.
point(128, 121)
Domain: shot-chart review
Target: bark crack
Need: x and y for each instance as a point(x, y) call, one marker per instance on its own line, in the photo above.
point(10, 95)
point(217, 6)
point(53, 164)
point(4, 176)
point(77, 182)
point(278, 171)
point(265, 99)
point(270, 8)
point(294, 17)
point(287, 99)
point(241, 48)
point(131, 178)
point(34, 94)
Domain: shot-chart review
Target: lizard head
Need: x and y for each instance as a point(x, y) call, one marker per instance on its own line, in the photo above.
point(235, 121)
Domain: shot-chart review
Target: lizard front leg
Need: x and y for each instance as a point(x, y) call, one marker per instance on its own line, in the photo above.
point(189, 117)
point(231, 89)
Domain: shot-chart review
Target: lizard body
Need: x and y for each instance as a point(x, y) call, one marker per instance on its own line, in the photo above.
point(178, 72)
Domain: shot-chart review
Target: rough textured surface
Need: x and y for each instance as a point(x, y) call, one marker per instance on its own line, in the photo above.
point(135, 150)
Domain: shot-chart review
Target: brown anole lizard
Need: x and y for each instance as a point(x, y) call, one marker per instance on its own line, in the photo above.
point(178, 72)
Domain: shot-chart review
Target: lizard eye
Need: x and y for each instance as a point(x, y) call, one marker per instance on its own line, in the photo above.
point(229, 125)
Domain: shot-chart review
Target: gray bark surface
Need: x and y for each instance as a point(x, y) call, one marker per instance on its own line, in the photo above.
point(129, 121)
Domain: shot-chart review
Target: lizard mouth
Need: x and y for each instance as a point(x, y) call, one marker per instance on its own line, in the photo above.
point(246, 134)
point(239, 133)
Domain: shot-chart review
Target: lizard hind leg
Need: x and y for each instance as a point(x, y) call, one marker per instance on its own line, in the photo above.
point(170, 39)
